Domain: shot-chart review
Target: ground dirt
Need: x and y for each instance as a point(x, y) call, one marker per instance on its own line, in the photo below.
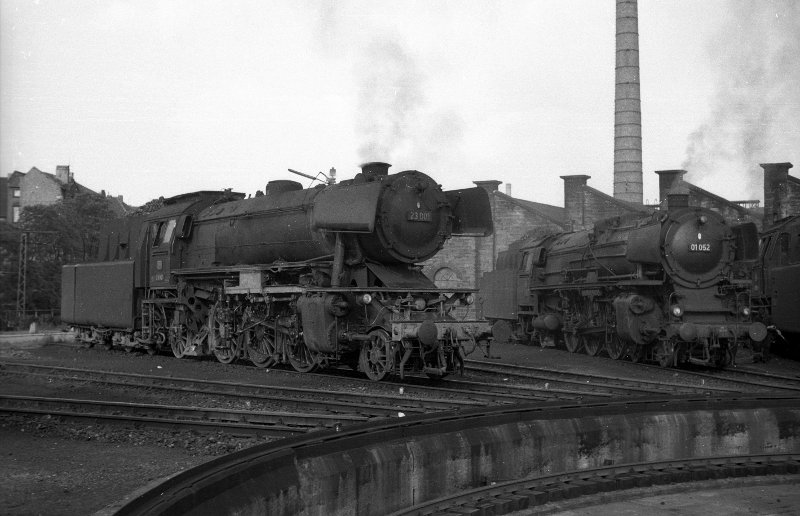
point(51, 467)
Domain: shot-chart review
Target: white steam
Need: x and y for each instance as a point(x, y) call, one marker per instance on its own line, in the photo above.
point(756, 113)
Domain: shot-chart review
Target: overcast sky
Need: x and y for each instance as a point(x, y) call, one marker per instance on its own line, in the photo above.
point(161, 97)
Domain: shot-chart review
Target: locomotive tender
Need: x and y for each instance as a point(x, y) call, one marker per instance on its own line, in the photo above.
point(311, 277)
point(673, 287)
point(777, 277)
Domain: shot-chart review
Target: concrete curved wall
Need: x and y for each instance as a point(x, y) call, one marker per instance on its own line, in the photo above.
point(377, 469)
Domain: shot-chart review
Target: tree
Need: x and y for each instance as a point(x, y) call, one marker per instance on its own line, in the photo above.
point(58, 234)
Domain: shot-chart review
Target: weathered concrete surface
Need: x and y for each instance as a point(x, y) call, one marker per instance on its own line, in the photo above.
point(34, 340)
point(379, 469)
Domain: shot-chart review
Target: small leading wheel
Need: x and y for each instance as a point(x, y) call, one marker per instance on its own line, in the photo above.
point(616, 347)
point(303, 360)
point(572, 342)
point(591, 344)
point(180, 342)
point(377, 358)
point(260, 347)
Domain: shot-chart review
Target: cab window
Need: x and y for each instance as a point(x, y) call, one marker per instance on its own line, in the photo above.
point(169, 229)
point(527, 263)
point(794, 251)
point(783, 249)
point(163, 232)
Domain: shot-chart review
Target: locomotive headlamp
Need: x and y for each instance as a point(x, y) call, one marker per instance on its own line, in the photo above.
point(677, 311)
point(420, 304)
point(364, 299)
point(703, 219)
point(469, 299)
point(746, 311)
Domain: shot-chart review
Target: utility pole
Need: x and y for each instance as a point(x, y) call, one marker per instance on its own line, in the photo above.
point(22, 270)
point(22, 275)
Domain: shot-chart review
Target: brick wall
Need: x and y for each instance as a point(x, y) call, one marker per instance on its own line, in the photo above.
point(470, 257)
point(781, 192)
point(36, 188)
point(735, 214)
point(585, 205)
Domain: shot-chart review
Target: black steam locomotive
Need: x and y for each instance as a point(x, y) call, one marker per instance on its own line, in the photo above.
point(673, 287)
point(777, 278)
point(311, 277)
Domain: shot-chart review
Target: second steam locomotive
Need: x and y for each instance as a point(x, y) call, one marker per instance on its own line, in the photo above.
point(673, 287)
point(310, 277)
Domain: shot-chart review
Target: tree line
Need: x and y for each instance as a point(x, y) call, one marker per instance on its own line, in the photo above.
point(58, 234)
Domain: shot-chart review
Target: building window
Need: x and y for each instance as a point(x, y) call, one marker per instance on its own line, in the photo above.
point(446, 278)
point(15, 214)
point(15, 192)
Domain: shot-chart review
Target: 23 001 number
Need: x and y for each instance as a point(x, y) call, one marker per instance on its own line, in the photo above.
point(419, 216)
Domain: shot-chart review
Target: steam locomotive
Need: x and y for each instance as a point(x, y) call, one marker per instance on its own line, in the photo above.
point(777, 278)
point(673, 287)
point(310, 277)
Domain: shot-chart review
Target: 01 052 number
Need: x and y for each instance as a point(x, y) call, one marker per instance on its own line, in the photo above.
point(703, 248)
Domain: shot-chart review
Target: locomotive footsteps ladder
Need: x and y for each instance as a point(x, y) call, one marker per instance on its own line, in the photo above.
point(224, 345)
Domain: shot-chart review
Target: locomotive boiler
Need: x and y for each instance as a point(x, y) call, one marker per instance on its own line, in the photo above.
point(673, 287)
point(311, 277)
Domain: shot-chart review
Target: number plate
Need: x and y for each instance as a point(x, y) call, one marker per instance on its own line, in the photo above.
point(700, 248)
point(420, 216)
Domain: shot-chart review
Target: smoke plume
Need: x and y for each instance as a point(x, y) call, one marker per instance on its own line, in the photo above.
point(756, 113)
point(389, 98)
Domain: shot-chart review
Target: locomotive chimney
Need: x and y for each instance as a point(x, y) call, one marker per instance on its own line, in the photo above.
point(627, 107)
point(375, 168)
point(776, 192)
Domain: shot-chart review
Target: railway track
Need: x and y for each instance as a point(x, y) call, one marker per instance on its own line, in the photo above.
point(372, 404)
point(234, 422)
point(591, 384)
point(508, 497)
point(745, 378)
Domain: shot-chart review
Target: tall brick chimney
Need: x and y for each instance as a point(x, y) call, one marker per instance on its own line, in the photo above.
point(776, 192)
point(574, 205)
point(627, 107)
point(490, 185)
point(63, 174)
